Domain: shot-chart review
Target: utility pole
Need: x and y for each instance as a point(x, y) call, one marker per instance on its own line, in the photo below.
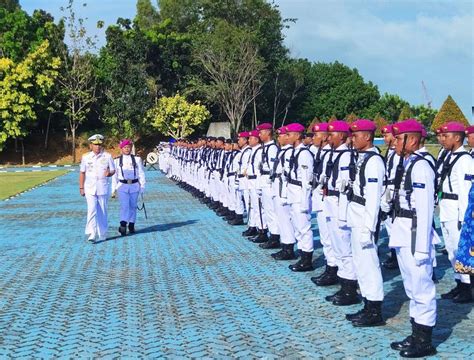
point(426, 95)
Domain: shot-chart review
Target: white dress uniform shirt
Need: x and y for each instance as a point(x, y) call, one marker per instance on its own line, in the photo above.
point(127, 172)
point(95, 166)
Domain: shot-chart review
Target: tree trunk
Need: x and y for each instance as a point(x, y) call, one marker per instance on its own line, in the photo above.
point(73, 140)
point(47, 132)
point(22, 153)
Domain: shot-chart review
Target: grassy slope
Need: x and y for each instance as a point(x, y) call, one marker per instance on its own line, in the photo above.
point(14, 183)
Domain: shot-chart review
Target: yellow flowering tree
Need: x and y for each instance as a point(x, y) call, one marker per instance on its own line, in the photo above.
point(22, 86)
point(176, 117)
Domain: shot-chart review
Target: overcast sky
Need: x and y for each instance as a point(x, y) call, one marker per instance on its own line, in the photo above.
point(396, 44)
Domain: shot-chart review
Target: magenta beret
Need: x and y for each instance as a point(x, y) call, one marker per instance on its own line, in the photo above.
point(452, 126)
point(407, 126)
point(387, 129)
point(264, 126)
point(470, 129)
point(321, 127)
point(244, 134)
point(282, 130)
point(363, 125)
point(338, 126)
point(124, 143)
point(295, 127)
point(253, 133)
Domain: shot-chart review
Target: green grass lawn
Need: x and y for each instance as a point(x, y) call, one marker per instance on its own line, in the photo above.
point(14, 183)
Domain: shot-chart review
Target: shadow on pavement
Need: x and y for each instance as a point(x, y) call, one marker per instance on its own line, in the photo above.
point(150, 229)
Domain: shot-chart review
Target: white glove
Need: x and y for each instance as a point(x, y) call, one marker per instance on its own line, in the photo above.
point(421, 258)
point(366, 238)
point(384, 206)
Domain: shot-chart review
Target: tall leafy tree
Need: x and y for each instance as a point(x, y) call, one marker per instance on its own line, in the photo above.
point(232, 68)
point(335, 89)
point(22, 87)
point(147, 16)
point(176, 117)
point(406, 113)
point(449, 111)
point(389, 107)
point(77, 78)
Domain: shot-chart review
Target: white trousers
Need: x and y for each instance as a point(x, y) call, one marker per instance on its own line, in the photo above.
point(419, 287)
point(96, 224)
point(239, 202)
point(269, 211)
point(302, 225)
point(451, 236)
point(256, 217)
point(325, 239)
point(287, 232)
point(341, 244)
point(367, 266)
point(128, 206)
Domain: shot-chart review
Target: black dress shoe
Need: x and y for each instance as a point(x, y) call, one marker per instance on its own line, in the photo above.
point(464, 295)
point(131, 228)
point(453, 292)
point(286, 253)
point(251, 231)
point(420, 345)
point(237, 220)
point(402, 345)
point(272, 243)
point(371, 317)
point(123, 228)
point(260, 238)
point(348, 295)
point(328, 278)
point(304, 264)
point(358, 314)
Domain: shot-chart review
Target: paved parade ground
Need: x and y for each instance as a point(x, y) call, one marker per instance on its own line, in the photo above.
point(185, 285)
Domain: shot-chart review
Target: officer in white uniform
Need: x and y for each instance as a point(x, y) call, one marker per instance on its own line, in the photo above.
point(412, 237)
point(453, 194)
point(128, 182)
point(362, 217)
point(470, 138)
point(95, 169)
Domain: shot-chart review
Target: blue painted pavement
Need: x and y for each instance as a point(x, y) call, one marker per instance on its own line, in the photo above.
point(186, 285)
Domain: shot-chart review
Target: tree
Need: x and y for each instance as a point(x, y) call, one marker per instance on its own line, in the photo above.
point(335, 89)
point(389, 106)
point(9, 5)
point(77, 78)
point(405, 113)
point(380, 122)
point(22, 87)
point(124, 80)
point(176, 117)
point(147, 15)
point(449, 111)
point(350, 118)
point(232, 68)
point(288, 83)
point(424, 114)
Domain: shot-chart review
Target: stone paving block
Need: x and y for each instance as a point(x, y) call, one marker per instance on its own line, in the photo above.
point(186, 285)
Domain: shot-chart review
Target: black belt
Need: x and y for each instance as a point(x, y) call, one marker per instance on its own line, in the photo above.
point(404, 213)
point(231, 173)
point(265, 172)
point(294, 182)
point(449, 196)
point(129, 181)
point(333, 193)
point(240, 176)
point(357, 199)
point(389, 182)
point(252, 177)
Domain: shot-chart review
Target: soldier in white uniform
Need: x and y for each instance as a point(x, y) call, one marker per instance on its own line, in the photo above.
point(337, 165)
point(453, 194)
point(95, 169)
point(362, 217)
point(299, 178)
point(412, 235)
point(470, 138)
point(269, 158)
point(128, 182)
